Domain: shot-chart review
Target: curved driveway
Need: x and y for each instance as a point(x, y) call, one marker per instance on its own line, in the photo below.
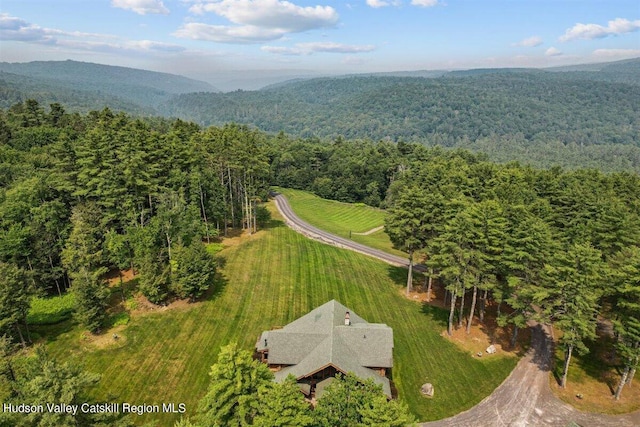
point(302, 227)
point(524, 398)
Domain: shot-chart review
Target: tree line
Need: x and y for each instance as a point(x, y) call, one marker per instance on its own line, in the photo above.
point(546, 245)
point(84, 194)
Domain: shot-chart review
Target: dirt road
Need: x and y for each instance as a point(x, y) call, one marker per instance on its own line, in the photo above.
point(524, 398)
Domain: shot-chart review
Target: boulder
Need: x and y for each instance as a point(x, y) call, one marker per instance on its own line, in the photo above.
point(491, 349)
point(427, 389)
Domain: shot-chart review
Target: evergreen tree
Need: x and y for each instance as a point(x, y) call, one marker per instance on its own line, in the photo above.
point(528, 247)
point(574, 283)
point(283, 405)
point(83, 257)
point(193, 270)
point(15, 298)
point(233, 396)
point(625, 274)
point(349, 401)
point(406, 225)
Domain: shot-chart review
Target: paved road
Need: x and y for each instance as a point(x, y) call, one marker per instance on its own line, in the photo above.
point(293, 221)
point(524, 398)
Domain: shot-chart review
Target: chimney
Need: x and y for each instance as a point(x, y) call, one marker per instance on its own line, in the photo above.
point(347, 321)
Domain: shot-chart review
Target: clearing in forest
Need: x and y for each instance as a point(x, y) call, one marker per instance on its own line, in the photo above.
point(356, 221)
point(270, 279)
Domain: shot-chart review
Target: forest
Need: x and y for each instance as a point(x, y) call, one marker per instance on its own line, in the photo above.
point(82, 195)
point(580, 116)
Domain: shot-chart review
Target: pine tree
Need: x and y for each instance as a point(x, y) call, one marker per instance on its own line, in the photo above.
point(349, 401)
point(233, 396)
point(84, 258)
point(283, 405)
point(15, 298)
point(574, 283)
point(193, 270)
point(625, 275)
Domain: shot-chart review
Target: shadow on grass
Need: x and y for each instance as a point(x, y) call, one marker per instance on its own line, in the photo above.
point(50, 333)
point(397, 274)
point(601, 362)
point(220, 282)
point(437, 314)
point(272, 223)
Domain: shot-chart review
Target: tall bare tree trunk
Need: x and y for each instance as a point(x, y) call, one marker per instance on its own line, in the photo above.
point(410, 274)
point(473, 308)
point(233, 215)
point(168, 244)
point(623, 381)
point(24, 344)
point(483, 305)
point(452, 309)
point(567, 360)
point(204, 213)
point(514, 336)
point(26, 328)
point(55, 279)
point(461, 314)
point(255, 217)
point(429, 284)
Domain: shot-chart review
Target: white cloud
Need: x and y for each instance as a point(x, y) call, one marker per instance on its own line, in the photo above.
point(282, 50)
point(384, 3)
point(315, 47)
point(552, 51)
point(228, 34)
point(529, 42)
point(271, 14)
point(424, 3)
point(378, 3)
point(142, 7)
point(616, 53)
point(16, 29)
point(335, 47)
point(256, 20)
point(153, 46)
point(594, 31)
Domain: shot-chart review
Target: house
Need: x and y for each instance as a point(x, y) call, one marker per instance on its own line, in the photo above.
point(327, 340)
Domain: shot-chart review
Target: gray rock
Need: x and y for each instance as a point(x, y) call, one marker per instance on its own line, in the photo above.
point(427, 389)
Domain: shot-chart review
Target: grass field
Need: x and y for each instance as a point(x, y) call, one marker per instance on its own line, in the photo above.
point(343, 219)
point(270, 279)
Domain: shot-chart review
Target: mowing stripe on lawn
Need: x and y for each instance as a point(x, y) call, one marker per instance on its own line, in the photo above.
point(271, 279)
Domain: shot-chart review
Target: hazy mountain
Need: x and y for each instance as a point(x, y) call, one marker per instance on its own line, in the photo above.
point(593, 107)
point(146, 89)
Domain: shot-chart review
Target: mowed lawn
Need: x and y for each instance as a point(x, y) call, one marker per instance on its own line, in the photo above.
point(271, 279)
point(342, 219)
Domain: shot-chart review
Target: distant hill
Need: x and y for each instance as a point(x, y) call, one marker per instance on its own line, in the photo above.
point(117, 87)
point(626, 71)
point(594, 107)
point(16, 88)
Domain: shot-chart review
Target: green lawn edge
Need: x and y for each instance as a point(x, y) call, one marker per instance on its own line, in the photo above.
point(269, 280)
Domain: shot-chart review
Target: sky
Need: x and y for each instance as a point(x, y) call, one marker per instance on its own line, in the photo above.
point(207, 39)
